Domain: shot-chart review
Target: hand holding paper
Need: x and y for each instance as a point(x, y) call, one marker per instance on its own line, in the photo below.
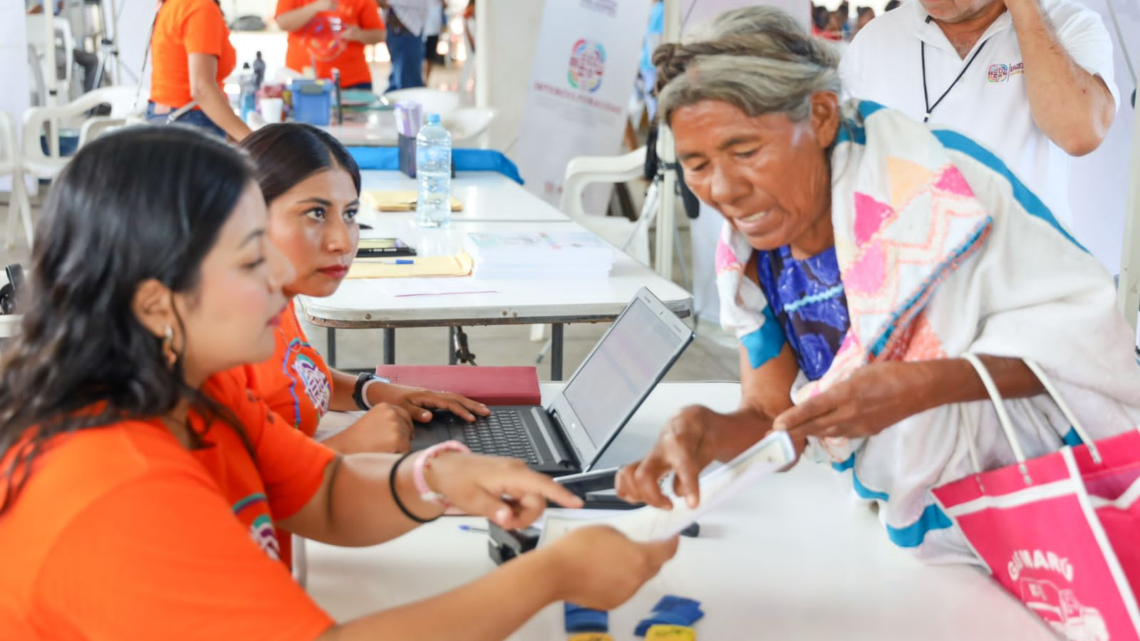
point(772, 454)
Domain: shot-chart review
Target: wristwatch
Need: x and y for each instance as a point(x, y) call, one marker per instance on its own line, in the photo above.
point(360, 392)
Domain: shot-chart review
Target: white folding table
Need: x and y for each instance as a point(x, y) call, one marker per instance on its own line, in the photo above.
point(793, 559)
point(491, 203)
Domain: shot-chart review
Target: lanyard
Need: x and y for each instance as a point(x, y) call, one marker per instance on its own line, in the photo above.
point(925, 94)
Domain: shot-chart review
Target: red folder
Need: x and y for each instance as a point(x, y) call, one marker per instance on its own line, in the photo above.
point(488, 385)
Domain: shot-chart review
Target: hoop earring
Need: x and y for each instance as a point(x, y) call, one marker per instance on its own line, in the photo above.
point(168, 346)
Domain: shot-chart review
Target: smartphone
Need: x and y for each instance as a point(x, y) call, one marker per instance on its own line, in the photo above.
point(379, 247)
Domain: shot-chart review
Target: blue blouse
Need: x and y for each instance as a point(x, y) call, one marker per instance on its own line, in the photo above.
point(807, 299)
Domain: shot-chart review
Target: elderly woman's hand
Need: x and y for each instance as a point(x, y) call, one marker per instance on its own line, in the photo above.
point(875, 397)
point(691, 440)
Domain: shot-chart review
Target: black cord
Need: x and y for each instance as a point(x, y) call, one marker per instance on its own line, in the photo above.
point(396, 495)
point(926, 96)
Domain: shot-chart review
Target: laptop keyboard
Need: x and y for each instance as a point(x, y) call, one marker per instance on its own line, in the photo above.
point(500, 434)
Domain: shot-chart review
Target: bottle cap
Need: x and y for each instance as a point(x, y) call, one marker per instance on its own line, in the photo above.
point(433, 119)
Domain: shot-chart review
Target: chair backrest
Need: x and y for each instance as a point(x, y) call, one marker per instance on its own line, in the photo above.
point(468, 124)
point(433, 100)
point(586, 170)
point(583, 171)
point(121, 99)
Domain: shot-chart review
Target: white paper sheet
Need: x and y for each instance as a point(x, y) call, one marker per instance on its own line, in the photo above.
point(773, 453)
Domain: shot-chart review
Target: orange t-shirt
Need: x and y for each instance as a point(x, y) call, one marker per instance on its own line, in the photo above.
point(295, 383)
point(184, 27)
point(121, 533)
point(353, 67)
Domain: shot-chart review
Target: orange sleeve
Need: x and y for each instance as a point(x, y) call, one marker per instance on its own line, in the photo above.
point(203, 29)
point(291, 465)
point(285, 6)
point(162, 557)
point(369, 17)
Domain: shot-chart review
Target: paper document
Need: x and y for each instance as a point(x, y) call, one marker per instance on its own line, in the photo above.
point(772, 454)
point(419, 267)
point(405, 287)
point(398, 201)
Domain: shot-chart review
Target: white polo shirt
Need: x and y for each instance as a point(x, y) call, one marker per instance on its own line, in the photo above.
point(989, 103)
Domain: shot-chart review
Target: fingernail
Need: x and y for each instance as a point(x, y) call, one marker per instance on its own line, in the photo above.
point(504, 515)
point(692, 501)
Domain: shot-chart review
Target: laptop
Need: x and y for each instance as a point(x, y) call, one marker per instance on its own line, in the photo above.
point(571, 433)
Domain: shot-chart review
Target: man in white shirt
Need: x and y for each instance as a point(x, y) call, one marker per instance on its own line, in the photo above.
point(1029, 79)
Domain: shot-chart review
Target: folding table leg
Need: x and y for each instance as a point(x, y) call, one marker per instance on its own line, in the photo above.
point(389, 345)
point(452, 359)
point(556, 351)
point(330, 349)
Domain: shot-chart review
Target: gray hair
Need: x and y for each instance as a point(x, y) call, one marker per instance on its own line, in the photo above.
point(758, 59)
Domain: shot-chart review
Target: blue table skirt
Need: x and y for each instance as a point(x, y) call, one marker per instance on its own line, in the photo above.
point(387, 159)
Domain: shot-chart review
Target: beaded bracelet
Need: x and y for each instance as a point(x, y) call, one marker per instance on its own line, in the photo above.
point(396, 495)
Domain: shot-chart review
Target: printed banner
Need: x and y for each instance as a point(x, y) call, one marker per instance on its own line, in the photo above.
point(585, 67)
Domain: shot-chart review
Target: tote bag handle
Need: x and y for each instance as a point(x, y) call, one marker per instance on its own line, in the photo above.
point(1007, 424)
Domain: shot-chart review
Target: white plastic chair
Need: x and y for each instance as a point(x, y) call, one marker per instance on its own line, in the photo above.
point(41, 165)
point(10, 165)
point(467, 126)
point(434, 101)
point(626, 235)
point(65, 54)
point(629, 236)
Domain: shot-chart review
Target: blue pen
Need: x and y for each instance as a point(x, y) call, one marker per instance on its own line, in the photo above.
point(398, 261)
point(472, 528)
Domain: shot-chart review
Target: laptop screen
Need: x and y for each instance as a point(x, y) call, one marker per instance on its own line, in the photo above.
point(621, 370)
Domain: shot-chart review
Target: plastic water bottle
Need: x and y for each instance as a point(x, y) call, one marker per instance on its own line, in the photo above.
point(433, 168)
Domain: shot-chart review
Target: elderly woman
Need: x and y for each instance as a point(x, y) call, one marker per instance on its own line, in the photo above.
point(862, 255)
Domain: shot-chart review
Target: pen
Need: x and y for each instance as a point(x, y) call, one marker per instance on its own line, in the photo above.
point(366, 227)
point(398, 261)
point(472, 528)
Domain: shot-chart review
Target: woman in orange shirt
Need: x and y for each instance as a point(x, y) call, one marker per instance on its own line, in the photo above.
point(314, 39)
point(312, 188)
point(141, 482)
point(192, 54)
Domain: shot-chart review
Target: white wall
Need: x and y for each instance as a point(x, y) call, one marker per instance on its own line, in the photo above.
point(505, 41)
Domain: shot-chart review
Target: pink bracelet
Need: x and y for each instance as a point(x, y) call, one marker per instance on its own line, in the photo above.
point(423, 463)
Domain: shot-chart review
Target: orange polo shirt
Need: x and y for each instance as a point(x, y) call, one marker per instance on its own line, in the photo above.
point(122, 533)
point(184, 27)
point(353, 67)
point(295, 383)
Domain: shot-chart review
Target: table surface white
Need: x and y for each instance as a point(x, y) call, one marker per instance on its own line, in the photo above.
point(492, 203)
point(795, 558)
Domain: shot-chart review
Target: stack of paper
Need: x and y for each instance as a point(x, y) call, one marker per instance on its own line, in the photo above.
point(548, 255)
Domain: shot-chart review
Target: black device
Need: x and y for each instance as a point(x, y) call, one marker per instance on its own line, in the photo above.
point(571, 433)
point(10, 291)
point(383, 248)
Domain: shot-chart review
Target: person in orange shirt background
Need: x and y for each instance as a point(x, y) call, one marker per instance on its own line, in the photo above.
point(314, 39)
point(191, 53)
point(312, 189)
point(141, 481)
